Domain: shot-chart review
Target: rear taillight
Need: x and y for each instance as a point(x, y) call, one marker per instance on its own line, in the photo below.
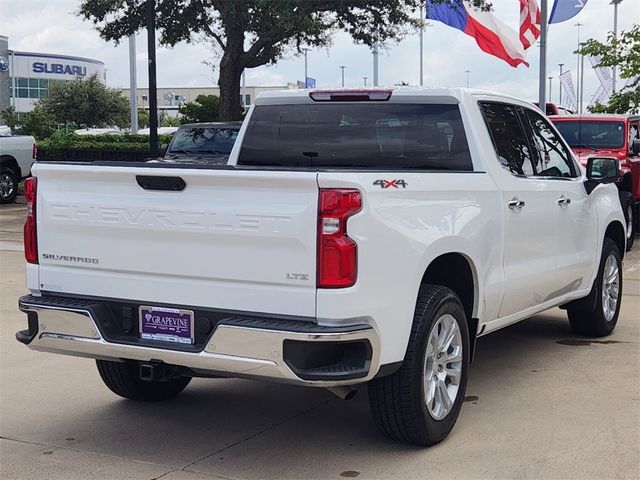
point(34, 151)
point(337, 253)
point(30, 231)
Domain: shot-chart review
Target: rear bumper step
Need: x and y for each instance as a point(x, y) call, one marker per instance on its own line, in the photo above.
point(289, 351)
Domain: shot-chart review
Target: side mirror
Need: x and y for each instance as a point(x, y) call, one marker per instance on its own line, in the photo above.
point(601, 170)
point(635, 146)
point(163, 149)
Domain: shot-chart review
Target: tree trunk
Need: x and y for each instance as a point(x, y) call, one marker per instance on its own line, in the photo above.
point(229, 82)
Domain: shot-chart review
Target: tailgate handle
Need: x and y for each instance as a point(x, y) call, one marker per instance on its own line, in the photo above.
point(153, 182)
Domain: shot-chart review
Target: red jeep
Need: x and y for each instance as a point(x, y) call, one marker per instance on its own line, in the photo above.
point(615, 136)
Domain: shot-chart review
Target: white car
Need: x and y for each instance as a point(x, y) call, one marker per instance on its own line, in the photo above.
point(98, 131)
point(356, 236)
point(17, 154)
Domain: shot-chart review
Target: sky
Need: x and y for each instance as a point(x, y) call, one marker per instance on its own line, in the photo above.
point(51, 26)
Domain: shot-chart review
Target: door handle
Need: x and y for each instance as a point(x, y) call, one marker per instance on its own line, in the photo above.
point(564, 201)
point(515, 203)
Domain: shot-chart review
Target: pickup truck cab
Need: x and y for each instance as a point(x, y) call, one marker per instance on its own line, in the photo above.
point(17, 154)
point(355, 237)
point(616, 136)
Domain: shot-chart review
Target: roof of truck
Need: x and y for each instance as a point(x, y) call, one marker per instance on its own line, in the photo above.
point(403, 91)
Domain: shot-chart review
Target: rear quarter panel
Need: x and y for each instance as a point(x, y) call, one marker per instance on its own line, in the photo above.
point(399, 233)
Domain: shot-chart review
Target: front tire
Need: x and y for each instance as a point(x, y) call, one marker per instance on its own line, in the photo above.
point(420, 403)
point(8, 185)
point(123, 378)
point(629, 211)
point(598, 317)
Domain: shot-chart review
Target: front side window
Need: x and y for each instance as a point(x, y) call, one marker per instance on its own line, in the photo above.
point(551, 158)
point(357, 135)
point(508, 137)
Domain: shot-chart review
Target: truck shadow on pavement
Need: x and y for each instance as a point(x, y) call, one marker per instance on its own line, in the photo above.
point(238, 427)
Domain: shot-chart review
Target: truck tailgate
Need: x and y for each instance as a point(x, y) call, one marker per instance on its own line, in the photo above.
point(231, 239)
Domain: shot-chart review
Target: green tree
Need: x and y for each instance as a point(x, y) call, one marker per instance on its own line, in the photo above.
point(10, 117)
point(205, 108)
point(252, 33)
point(37, 122)
point(167, 120)
point(87, 102)
point(622, 52)
point(143, 118)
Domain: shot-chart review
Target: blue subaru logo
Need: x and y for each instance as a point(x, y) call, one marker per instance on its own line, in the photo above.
point(4, 64)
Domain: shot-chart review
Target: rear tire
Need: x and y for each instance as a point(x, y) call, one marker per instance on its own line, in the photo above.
point(629, 211)
point(123, 378)
point(598, 317)
point(420, 403)
point(8, 185)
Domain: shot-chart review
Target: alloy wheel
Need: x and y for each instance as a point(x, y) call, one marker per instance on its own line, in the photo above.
point(442, 366)
point(610, 287)
point(7, 185)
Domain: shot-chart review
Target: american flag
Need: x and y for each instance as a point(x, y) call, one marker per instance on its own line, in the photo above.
point(529, 22)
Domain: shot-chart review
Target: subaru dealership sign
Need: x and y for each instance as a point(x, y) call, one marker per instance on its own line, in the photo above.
point(59, 69)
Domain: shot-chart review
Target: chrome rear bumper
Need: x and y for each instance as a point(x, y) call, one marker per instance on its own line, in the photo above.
point(238, 347)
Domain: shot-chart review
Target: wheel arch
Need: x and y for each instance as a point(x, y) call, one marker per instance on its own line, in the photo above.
point(12, 163)
point(615, 231)
point(457, 271)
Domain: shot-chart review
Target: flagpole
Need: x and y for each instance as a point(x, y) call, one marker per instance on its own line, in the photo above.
point(578, 25)
point(421, 48)
point(615, 36)
point(542, 79)
point(560, 82)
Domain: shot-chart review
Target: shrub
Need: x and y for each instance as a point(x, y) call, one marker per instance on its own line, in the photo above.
point(60, 145)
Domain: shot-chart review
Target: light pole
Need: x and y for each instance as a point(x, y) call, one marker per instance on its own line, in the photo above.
point(244, 89)
point(305, 50)
point(615, 4)
point(365, 81)
point(376, 45)
point(342, 67)
point(581, 79)
point(560, 82)
point(550, 78)
point(468, 73)
point(133, 84)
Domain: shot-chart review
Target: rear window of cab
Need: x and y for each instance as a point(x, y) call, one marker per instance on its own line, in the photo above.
point(357, 135)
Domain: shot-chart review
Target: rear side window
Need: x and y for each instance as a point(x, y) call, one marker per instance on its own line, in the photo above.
point(362, 135)
point(508, 137)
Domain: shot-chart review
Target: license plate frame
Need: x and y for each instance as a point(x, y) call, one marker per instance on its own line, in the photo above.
point(169, 325)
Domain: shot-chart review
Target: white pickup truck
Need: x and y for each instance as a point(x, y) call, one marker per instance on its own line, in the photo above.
point(356, 236)
point(17, 154)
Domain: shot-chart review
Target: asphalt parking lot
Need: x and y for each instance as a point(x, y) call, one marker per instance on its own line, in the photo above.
point(541, 403)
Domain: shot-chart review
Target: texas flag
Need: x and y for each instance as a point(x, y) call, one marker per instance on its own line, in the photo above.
point(492, 35)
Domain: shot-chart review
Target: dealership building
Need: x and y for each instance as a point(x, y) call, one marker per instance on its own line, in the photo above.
point(171, 98)
point(25, 77)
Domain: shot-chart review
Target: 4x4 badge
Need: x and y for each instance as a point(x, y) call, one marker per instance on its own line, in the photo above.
point(391, 183)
